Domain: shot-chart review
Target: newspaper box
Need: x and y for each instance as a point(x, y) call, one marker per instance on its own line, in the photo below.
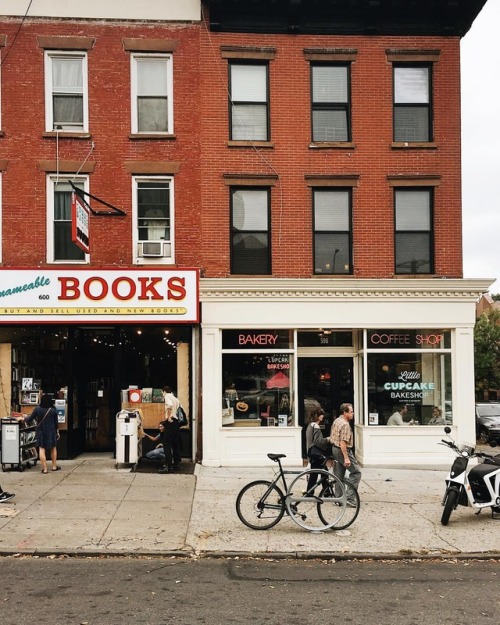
point(128, 440)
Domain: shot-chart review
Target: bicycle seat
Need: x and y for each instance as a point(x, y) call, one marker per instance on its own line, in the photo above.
point(276, 457)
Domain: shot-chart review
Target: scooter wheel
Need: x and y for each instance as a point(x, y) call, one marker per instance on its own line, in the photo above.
point(450, 503)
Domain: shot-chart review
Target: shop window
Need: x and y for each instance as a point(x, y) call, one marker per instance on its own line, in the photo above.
point(66, 92)
point(152, 94)
point(412, 103)
point(409, 387)
point(332, 231)
point(250, 235)
point(60, 247)
point(330, 103)
point(153, 218)
point(414, 229)
point(249, 101)
point(257, 382)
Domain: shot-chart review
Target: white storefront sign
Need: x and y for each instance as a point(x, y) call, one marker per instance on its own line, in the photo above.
point(98, 295)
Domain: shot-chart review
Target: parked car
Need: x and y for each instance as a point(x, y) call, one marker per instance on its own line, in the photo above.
point(488, 422)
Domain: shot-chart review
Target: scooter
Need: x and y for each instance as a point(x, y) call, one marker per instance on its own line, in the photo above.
point(480, 488)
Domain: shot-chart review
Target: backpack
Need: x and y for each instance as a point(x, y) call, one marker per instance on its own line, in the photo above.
point(182, 416)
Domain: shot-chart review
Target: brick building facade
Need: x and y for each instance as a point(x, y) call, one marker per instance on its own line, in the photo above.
point(304, 161)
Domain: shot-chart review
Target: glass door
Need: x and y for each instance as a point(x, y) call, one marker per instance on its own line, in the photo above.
point(323, 383)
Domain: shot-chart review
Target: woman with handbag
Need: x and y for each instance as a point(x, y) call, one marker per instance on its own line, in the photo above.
point(316, 444)
point(47, 432)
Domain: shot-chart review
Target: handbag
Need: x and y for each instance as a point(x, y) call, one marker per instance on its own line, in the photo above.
point(315, 453)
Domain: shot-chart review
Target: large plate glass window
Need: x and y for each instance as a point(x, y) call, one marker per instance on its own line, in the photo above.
point(66, 91)
point(412, 103)
point(249, 103)
point(409, 377)
point(152, 94)
point(332, 231)
point(330, 103)
point(250, 232)
point(257, 368)
point(414, 230)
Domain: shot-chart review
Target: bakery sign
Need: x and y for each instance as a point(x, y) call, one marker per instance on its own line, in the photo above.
point(99, 295)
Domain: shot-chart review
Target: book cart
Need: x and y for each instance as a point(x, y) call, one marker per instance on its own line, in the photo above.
point(19, 444)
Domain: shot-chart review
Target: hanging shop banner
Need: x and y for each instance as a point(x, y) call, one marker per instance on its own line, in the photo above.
point(99, 295)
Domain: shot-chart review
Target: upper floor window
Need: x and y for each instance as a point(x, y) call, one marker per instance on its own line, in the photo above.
point(152, 94)
point(153, 220)
point(66, 92)
point(330, 86)
point(412, 103)
point(250, 232)
point(332, 231)
point(413, 236)
point(249, 104)
point(60, 247)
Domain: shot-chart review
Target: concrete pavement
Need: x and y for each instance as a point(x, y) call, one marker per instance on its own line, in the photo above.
point(91, 508)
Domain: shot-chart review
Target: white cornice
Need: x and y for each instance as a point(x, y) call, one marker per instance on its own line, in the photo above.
point(425, 289)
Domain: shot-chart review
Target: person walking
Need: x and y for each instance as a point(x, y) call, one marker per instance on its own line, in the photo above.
point(47, 432)
point(316, 445)
point(342, 441)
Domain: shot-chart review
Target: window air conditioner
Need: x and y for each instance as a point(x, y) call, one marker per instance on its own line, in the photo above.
point(151, 248)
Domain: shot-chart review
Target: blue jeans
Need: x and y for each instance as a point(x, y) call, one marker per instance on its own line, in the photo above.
point(156, 454)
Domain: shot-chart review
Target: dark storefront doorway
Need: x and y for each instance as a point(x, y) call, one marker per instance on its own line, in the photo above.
point(323, 383)
point(108, 361)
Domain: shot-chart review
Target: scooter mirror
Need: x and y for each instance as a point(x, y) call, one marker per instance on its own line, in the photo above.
point(447, 430)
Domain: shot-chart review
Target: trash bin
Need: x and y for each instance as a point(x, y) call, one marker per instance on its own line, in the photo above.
point(128, 441)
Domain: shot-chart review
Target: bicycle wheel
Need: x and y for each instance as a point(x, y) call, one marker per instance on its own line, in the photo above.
point(260, 505)
point(304, 499)
point(326, 510)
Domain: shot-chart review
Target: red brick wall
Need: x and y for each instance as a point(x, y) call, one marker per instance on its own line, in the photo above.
point(373, 158)
point(22, 143)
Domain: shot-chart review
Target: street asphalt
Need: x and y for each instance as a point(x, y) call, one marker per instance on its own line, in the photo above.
point(91, 508)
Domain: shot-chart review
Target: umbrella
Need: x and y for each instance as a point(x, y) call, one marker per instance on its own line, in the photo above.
point(279, 380)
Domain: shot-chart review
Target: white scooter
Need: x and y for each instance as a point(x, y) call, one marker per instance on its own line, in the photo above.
point(480, 488)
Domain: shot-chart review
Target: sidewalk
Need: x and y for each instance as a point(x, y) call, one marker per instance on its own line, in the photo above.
point(91, 508)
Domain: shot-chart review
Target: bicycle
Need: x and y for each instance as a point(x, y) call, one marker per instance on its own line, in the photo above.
point(262, 504)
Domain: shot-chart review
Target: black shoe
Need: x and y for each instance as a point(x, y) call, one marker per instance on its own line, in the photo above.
point(166, 470)
point(4, 496)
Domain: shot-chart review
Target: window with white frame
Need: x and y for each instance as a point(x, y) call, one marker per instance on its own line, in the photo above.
point(332, 231)
point(152, 94)
point(66, 91)
point(153, 219)
point(412, 103)
point(414, 230)
point(249, 105)
point(250, 231)
point(60, 247)
point(330, 102)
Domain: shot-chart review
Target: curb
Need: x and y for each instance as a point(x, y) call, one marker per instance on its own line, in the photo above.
point(255, 555)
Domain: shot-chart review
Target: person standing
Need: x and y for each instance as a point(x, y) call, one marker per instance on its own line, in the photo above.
point(47, 432)
point(171, 435)
point(342, 440)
